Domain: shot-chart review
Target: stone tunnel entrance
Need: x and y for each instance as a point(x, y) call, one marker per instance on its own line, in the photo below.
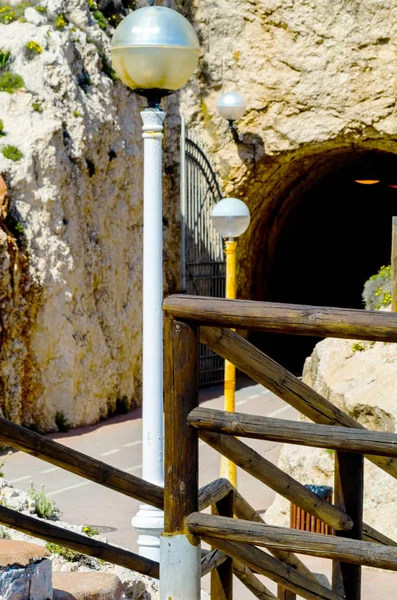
point(325, 237)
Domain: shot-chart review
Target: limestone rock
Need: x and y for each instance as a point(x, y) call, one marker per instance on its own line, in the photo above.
point(25, 572)
point(87, 586)
point(359, 378)
point(71, 234)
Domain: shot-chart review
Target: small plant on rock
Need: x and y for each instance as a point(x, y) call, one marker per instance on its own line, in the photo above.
point(10, 82)
point(33, 48)
point(377, 289)
point(100, 19)
point(8, 13)
point(2, 132)
point(69, 555)
point(357, 347)
point(4, 58)
point(12, 153)
point(41, 9)
point(61, 422)
point(77, 114)
point(37, 106)
point(45, 508)
point(90, 531)
point(61, 23)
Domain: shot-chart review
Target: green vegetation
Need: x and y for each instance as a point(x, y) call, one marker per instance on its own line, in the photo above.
point(90, 531)
point(33, 47)
point(100, 19)
point(69, 555)
point(357, 347)
point(330, 452)
point(2, 132)
point(12, 153)
point(77, 114)
point(61, 22)
point(8, 13)
point(4, 58)
point(41, 9)
point(377, 290)
point(37, 106)
point(61, 422)
point(107, 65)
point(10, 82)
point(45, 508)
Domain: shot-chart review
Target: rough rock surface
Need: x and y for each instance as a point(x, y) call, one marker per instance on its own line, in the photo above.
point(84, 586)
point(318, 78)
point(25, 572)
point(71, 231)
point(359, 378)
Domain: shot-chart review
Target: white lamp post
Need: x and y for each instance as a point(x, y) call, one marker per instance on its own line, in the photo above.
point(231, 218)
point(154, 52)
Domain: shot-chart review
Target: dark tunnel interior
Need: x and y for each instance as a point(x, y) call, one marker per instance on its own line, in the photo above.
point(336, 235)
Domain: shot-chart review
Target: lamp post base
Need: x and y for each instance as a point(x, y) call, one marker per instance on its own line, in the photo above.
point(149, 523)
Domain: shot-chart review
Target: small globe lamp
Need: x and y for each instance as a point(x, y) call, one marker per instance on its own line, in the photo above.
point(230, 218)
point(154, 52)
point(231, 106)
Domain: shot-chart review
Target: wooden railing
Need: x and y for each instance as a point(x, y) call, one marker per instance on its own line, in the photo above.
point(235, 541)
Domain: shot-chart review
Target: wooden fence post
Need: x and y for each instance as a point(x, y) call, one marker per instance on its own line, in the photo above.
point(394, 266)
point(348, 496)
point(222, 576)
point(179, 550)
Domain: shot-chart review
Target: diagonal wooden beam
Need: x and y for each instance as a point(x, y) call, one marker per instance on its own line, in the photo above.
point(281, 382)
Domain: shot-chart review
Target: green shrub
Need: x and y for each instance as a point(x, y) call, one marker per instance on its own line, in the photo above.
point(4, 57)
point(100, 19)
point(9, 82)
point(61, 422)
point(12, 153)
point(69, 555)
point(33, 47)
point(377, 289)
point(45, 508)
point(90, 531)
point(61, 22)
point(2, 132)
point(37, 106)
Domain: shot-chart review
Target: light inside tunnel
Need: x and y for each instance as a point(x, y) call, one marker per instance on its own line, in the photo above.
point(333, 235)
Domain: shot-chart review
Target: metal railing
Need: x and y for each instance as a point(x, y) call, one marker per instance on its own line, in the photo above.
point(236, 542)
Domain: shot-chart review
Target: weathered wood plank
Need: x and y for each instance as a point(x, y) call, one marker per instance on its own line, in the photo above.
point(79, 543)
point(222, 575)
point(349, 495)
point(213, 492)
point(281, 382)
point(212, 560)
point(292, 432)
point(284, 318)
point(181, 442)
point(372, 535)
point(252, 462)
point(274, 569)
point(80, 464)
point(354, 551)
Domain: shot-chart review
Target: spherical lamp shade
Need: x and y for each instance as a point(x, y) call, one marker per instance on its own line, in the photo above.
point(230, 217)
point(155, 48)
point(231, 106)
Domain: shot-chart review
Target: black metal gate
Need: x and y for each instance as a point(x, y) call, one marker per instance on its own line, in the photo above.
point(202, 258)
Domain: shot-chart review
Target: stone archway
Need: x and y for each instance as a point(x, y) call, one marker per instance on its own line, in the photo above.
point(316, 236)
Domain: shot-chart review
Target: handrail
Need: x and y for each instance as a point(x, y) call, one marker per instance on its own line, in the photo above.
point(284, 318)
point(79, 543)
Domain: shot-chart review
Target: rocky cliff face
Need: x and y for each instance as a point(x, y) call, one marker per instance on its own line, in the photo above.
point(359, 378)
point(71, 232)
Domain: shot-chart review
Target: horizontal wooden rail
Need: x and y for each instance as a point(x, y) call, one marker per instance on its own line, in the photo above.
point(314, 544)
point(80, 543)
point(252, 462)
point(291, 432)
point(372, 535)
point(285, 318)
point(274, 569)
point(80, 464)
point(281, 382)
point(214, 492)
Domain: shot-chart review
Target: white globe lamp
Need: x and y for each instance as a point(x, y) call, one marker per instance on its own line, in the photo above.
point(155, 51)
point(231, 217)
point(231, 105)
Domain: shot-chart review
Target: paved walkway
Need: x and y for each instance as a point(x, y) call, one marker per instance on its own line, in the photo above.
point(118, 442)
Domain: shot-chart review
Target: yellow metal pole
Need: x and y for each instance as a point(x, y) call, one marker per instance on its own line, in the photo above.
point(228, 468)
